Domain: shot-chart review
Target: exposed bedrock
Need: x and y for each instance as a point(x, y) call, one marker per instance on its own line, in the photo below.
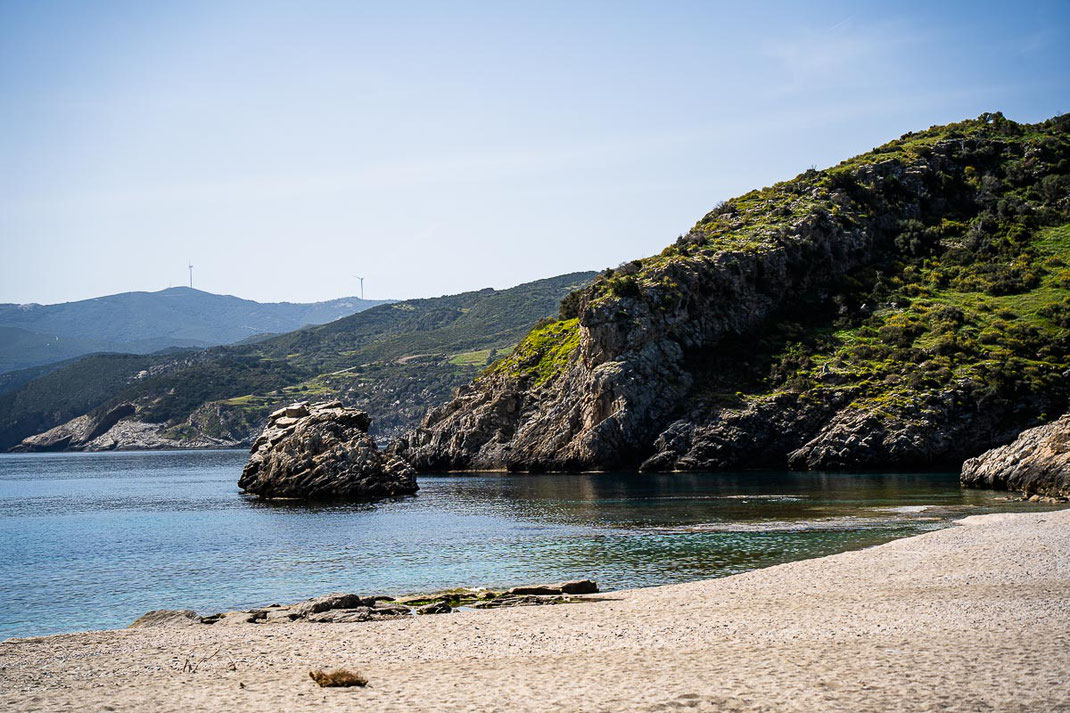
point(1037, 462)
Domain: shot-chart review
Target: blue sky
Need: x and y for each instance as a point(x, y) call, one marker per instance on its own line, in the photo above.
point(440, 147)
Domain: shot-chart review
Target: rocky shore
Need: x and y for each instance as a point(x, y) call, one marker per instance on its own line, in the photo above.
point(1037, 463)
point(349, 608)
point(973, 617)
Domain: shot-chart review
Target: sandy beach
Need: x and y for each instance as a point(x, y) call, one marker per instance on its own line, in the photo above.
point(975, 617)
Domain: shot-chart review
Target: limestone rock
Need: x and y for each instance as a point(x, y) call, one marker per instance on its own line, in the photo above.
point(1037, 463)
point(324, 454)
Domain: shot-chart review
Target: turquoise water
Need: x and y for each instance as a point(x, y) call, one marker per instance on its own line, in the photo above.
point(92, 541)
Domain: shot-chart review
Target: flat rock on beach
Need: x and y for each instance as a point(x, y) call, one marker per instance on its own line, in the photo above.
point(975, 617)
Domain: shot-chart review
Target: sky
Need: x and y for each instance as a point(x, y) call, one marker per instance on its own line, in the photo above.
point(285, 147)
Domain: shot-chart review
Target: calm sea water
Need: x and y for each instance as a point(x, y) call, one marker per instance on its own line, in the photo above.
point(92, 541)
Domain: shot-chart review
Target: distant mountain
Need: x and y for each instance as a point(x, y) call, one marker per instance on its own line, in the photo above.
point(392, 360)
point(144, 322)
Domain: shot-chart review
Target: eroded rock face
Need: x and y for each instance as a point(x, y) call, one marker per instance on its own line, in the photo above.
point(629, 395)
point(1036, 463)
point(323, 452)
point(628, 375)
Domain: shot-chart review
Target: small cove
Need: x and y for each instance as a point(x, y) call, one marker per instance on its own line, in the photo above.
point(93, 540)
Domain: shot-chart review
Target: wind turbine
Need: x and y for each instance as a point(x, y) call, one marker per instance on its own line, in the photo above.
point(361, 285)
point(191, 275)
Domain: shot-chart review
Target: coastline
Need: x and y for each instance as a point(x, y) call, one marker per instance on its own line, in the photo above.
point(975, 616)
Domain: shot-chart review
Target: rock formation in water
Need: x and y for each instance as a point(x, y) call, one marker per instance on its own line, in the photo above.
point(1035, 463)
point(865, 316)
point(323, 452)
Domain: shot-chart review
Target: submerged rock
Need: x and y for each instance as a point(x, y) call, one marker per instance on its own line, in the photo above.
point(323, 452)
point(1037, 463)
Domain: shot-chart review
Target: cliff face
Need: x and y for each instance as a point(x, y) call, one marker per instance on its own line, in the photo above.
point(1036, 463)
point(853, 317)
point(119, 428)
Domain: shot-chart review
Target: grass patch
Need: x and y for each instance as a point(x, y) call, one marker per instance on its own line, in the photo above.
point(479, 357)
point(544, 353)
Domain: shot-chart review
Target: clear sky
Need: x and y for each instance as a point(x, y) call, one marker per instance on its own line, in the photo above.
point(284, 147)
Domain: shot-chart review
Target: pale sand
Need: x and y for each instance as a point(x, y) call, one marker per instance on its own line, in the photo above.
point(973, 618)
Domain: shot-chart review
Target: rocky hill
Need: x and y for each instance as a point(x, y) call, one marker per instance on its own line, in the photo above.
point(391, 361)
point(144, 322)
point(907, 308)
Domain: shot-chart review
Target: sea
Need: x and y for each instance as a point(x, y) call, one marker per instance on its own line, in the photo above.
point(93, 540)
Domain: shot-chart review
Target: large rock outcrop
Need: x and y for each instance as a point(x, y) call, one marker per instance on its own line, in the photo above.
point(323, 452)
point(1035, 463)
point(667, 364)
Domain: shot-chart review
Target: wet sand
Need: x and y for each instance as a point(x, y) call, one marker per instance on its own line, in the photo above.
point(971, 618)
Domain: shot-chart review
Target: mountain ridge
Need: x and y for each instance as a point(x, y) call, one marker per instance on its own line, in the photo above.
point(141, 322)
point(391, 360)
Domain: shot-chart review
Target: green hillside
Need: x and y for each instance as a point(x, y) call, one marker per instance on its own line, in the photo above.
point(908, 307)
point(393, 360)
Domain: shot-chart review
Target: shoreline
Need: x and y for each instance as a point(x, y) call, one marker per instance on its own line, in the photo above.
point(968, 617)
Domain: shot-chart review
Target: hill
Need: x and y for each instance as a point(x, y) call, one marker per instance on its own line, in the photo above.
point(144, 322)
point(907, 308)
point(393, 360)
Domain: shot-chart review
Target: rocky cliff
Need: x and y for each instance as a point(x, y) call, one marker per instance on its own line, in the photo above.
point(906, 308)
point(117, 428)
point(1035, 463)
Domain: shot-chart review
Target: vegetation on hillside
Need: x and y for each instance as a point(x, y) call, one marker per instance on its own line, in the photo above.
point(968, 293)
point(393, 360)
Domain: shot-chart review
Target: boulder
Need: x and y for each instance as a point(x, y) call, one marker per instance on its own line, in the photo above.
point(578, 586)
point(166, 617)
point(341, 616)
point(323, 452)
point(434, 608)
point(326, 603)
point(1037, 463)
